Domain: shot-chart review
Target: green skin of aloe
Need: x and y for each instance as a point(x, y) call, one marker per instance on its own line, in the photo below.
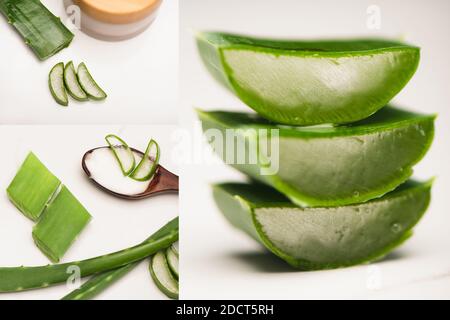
point(323, 238)
point(309, 82)
point(328, 166)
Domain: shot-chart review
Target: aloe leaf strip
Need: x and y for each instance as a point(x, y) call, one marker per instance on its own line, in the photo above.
point(101, 282)
point(41, 30)
point(72, 85)
point(162, 276)
point(15, 279)
point(88, 83)
point(129, 152)
point(153, 166)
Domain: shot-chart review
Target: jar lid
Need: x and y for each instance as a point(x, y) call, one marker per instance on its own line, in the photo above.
point(118, 11)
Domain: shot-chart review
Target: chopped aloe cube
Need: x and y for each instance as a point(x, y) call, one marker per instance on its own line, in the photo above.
point(326, 166)
point(32, 187)
point(322, 238)
point(60, 224)
point(42, 31)
point(310, 82)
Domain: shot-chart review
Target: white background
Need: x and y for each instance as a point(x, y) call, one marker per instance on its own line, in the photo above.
point(139, 75)
point(220, 262)
point(116, 224)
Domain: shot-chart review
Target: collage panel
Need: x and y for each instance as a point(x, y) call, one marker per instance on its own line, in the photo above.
point(84, 217)
point(301, 166)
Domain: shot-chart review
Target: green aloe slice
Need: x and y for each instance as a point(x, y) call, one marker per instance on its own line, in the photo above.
point(309, 82)
point(172, 261)
point(33, 187)
point(148, 165)
point(123, 153)
point(162, 276)
point(325, 166)
point(322, 238)
point(56, 84)
point(60, 224)
point(41, 30)
point(71, 83)
point(88, 83)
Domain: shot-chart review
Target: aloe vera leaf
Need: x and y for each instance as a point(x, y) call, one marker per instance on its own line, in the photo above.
point(61, 223)
point(309, 82)
point(102, 281)
point(56, 84)
point(99, 283)
point(323, 238)
point(162, 276)
point(122, 152)
point(88, 83)
point(32, 187)
point(71, 83)
point(14, 279)
point(330, 166)
point(146, 168)
point(42, 31)
point(172, 261)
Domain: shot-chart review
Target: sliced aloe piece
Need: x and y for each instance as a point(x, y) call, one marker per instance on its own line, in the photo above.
point(56, 84)
point(162, 276)
point(33, 187)
point(327, 166)
point(123, 153)
point(175, 248)
point(322, 238)
point(60, 224)
point(41, 30)
point(146, 168)
point(172, 261)
point(71, 83)
point(309, 82)
point(88, 83)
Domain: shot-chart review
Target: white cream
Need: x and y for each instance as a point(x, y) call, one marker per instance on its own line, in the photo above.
point(105, 170)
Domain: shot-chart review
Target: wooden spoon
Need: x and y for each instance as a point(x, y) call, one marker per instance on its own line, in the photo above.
point(164, 181)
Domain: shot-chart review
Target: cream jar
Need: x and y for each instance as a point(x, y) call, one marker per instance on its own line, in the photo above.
point(114, 20)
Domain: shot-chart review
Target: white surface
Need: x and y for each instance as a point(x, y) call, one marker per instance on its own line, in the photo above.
point(116, 223)
point(220, 262)
point(103, 167)
point(139, 75)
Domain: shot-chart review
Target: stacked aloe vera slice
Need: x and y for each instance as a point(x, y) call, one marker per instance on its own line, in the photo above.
point(328, 159)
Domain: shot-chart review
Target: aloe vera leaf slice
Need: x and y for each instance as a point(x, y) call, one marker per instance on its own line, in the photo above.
point(98, 283)
point(175, 248)
point(148, 165)
point(172, 261)
point(15, 279)
point(123, 153)
point(323, 238)
point(162, 276)
point(41, 30)
point(88, 84)
point(32, 187)
point(309, 82)
point(328, 166)
point(72, 85)
point(56, 84)
point(60, 224)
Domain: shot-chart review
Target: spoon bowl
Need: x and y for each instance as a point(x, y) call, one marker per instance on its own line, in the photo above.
point(163, 181)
